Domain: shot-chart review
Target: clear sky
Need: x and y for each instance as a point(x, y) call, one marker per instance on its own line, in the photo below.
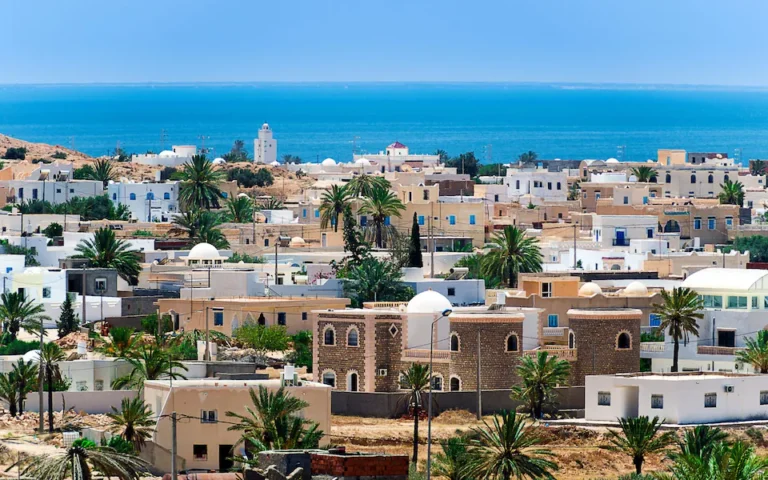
point(715, 42)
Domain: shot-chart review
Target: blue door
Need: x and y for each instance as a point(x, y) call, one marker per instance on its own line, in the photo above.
point(620, 237)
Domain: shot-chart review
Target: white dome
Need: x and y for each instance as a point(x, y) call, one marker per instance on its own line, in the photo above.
point(611, 160)
point(636, 289)
point(242, 195)
point(265, 126)
point(167, 153)
point(35, 270)
point(275, 163)
point(428, 302)
point(298, 241)
point(328, 162)
point(203, 251)
point(589, 289)
point(219, 161)
point(32, 356)
point(362, 161)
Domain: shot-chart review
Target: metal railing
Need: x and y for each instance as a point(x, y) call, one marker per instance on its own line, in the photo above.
point(652, 346)
point(620, 242)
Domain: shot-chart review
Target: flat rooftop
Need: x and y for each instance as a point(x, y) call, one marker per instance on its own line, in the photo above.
point(213, 383)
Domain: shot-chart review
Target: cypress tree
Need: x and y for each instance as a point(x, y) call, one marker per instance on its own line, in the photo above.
point(68, 321)
point(414, 250)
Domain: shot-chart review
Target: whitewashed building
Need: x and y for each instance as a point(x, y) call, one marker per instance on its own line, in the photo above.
point(618, 230)
point(53, 183)
point(264, 146)
point(177, 156)
point(536, 185)
point(148, 202)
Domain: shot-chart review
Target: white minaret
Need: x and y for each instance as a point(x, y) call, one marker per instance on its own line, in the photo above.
point(265, 147)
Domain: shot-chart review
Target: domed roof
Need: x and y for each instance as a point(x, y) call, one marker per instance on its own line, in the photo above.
point(328, 162)
point(611, 160)
point(219, 161)
point(242, 195)
point(275, 163)
point(298, 241)
point(636, 289)
point(35, 270)
point(589, 289)
point(203, 251)
point(362, 161)
point(428, 302)
point(166, 153)
point(265, 126)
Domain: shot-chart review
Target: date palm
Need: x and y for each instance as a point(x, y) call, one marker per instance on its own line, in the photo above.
point(78, 463)
point(122, 342)
point(239, 209)
point(679, 312)
point(103, 171)
point(133, 421)
point(200, 184)
point(334, 202)
point(738, 461)
point(757, 167)
point(363, 185)
point(507, 448)
point(755, 352)
point(451, 463)
point(17, 312)
point(638, 438)
point(50, 356)
point(8, 392)
point(528, 157)
point(699, 442)
point(512, 253)
point(380, 205)
point(644, 173)
point(272, 203)
point(415, 383)
point(538, 378)
point(201, 227)
point(150, 362)
point(25, 376)
point(732, 193)
point(105, 250)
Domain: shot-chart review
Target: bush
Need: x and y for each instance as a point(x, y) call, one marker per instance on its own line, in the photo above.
point(15, 153)
point(83, 173)
point(58, 155)
point(41, 160)
point(120, 444)
point(247, 178)
point(149, 324)
point(84, 443)
point(245, 258)
point(654, 336)
point(53, 230)
point(19, 347)
point(186, 350)
point(143, 233)
point(301, 356)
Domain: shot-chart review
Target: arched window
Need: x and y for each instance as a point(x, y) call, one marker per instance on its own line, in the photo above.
point(114, 197)
point(455, 384)
point(132, 196)
point(437, 383)
point(571, 340)
point(558, 185)
point(693, 178)
point(352, 382)
point(262, 321)
point(623, 341)
point(711, 178)
point(511, 343)
point(352, 337)
point(668, 178)
point(329, 336)
point(454, 342)
point(150, 196)
point(235, 323)
point(329, 378)
point(725, 178)
point(517, 184)
point(166, 196)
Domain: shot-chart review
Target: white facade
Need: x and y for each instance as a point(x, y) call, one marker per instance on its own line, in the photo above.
point(536, 185)
point(458, 292)
point(608, 177)
point(678, 399)
point(176, 157)
point(264, 146)
point(617, 230)
point(396, 156)
point(148, 202)
point(278, 216)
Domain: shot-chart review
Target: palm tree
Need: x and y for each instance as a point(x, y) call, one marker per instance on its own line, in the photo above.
point(274, 422)
point(375, 280)
point(699, 442)
point(679, 312)
point(538, 378)
point(334, 202)
point(122, 342)
point(77, 463)
point(17, 312)
point(272, 203)
point(415, 382)
point(574, 191)
point(107, 251)
point(363, 185)
point(50, 356)
point(755, 352)
point(508, 448)
point(452, 462)
point(738, 461)
point(380, 205)
point(200, 184)
point(150, 362)
point(757, 167)
point(528, 157)
point(25, 375)
point(8, 392)
point(103, 171)
point(185, 224)
point(732, 193)
point(644, 173)
point(200, 227)
point(512, 254)
point(133, 421)
point(639, 437)
point(239, 209)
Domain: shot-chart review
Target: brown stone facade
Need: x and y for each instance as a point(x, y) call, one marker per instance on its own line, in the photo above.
point(598, 340)
point(340, 358)
point(497, 366)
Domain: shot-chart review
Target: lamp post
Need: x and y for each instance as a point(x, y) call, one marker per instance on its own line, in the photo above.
point(445, 313)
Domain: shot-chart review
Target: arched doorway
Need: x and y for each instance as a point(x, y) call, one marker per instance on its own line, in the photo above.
point(671, 227)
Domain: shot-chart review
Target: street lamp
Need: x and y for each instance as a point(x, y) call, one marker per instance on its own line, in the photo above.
point(445, 313)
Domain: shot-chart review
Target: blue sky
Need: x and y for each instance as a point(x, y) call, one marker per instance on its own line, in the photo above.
point(612, 41)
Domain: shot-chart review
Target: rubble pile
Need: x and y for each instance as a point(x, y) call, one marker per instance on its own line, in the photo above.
point(70, 341)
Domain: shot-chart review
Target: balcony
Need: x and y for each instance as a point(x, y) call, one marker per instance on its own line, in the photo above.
point(654, 347)
point(554, 331)
point(374, 305)
point(620, 242)
point(563, 353)
point(423, 354)
point(713, 350)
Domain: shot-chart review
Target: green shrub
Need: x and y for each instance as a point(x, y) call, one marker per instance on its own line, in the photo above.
point(120, 444)
point(19, 347)
point(15, 153)
point(245, 258)
point(149, 324)
point(143, 233)
point(58, 155)
point(654, 336)
point(53, 230)
point(84, 443)
point(301, 356)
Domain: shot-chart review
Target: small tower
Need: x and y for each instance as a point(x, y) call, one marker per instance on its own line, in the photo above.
point(265, 147)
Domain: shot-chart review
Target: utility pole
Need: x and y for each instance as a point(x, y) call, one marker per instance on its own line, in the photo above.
point(432, 239)
point(42, 376)
point(479, 391)
point(83, 293)
point(162, 139)
point(207, 356)
point(277, 243)
point(575, 262)
point(174, 475)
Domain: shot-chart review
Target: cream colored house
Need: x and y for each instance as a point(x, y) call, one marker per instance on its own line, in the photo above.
point(204, 440)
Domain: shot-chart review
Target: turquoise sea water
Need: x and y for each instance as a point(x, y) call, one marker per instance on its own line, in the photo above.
point(319, 121)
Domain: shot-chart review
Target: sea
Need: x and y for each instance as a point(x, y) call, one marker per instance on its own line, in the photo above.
point(315, 121)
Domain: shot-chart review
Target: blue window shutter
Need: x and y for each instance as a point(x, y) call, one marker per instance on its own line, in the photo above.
point(471, 219)
point(386, 221)
point(421, 219)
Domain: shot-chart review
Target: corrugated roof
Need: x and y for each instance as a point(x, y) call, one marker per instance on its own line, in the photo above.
point(727, 279)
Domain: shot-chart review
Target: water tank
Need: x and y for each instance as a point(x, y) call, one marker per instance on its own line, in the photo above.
point(70, 437)
point(81, 348)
